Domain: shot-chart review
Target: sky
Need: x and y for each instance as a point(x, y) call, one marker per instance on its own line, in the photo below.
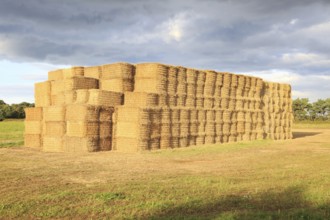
point(283, 41)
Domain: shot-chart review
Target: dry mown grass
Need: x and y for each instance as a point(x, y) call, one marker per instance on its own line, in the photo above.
point(247, 180)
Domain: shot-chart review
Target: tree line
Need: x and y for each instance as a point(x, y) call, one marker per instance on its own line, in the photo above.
point(14, 110)
point(303, 110)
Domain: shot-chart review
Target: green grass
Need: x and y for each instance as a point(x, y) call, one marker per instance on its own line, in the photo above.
point(11, 133)
point(311, 125)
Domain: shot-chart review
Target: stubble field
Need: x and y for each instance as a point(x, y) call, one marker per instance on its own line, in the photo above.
point(247, 180)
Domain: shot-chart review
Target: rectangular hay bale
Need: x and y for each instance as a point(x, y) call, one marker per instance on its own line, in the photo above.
point(33, 114)
point(33, 141)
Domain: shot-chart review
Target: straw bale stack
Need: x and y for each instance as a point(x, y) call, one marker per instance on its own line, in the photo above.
point(33, 127)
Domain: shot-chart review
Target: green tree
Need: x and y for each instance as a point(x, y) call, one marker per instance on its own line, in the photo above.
point(2, 116)
point(301, 109)
point(319, 110)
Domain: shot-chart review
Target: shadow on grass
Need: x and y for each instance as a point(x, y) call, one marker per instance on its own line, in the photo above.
point(301, 134)
point(286, 204)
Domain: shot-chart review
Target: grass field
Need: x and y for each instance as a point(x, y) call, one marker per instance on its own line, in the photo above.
point(11, 133)
point(248, 180)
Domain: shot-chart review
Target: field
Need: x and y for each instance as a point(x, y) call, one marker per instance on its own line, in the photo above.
point(248, 180)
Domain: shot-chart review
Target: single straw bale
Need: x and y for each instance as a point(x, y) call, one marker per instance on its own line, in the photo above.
point(82, 96)
point(106, 114)
point(33, 141)
point(217, 103)
point(70, 97)
point(150, 85)
point(241, 81)
point(73, 72)
point(193, 128)
point(225, 91)
point(105, 98)
point(181, 100)
point(33, 127)
point(191, 101)
point(246, 136)
point(182, 74)
point(105, 129)
point(55, 129)
point(226, 128)
point(219, 79)
point(248, 126)
point(175, 115)
point(163, 99)
point(200, 89)
point(193, 114)
point(191, 89)
point(201, 77)
point(155, 130)
point(210, 128)
point(233, 128)
point(240, 92)
point(248, 80)
point(210, 115)
point(226, 79)
point(174, 142)
point(232, 138)
point(192, 140)
point(155, 115)
point(201, 127)
point(218, 128)
point(224, 103)
point(93, 72)
point(201, 115)
point(182, 88)
point(234, 80)
point(58, 99)
point(239, 104)
point(172, 80)
point(33, 114)
point(208, 102)
point(218, 115)
point(226, 115)
point(54, 113)
point(82, 128)
point(78, 144)
point(42, 94)
point(199, 101)
point(184, 115)
point(56, 87)
point(105, 144)
point(232, 104)
point(118, 71)
point(151, 71)
point(132, 130)
point(217, 91)
point(172, 100)
point(210, 78)
point(52, 144)
point(86, 113)
point(184, 129)
point(200, 140)
point(117, 85)
point(165, 142)
point(166, 115)
point(210, 139)
point(191, 76)
point(165, 129)
point(175, 129)
point(183, 142)
point(55, 75)
point(80, 83)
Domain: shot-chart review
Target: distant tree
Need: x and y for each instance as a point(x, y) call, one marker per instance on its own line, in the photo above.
point(2, 102)
point(301, 109)
point(319, 110)
point(2, 116)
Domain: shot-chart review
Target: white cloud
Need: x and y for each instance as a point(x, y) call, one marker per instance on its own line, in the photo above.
point(294, 21)
point(306, 59)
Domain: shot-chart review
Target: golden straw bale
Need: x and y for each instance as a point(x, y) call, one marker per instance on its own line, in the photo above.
point(42, 94)
point(54, 113)
point(93, 72)
point(33, 141)
point(33, 114)
point(55, 75)
point(118, 71)
point(73, 72)
point(33, 127)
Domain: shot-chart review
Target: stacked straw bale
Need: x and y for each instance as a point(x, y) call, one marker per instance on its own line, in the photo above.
point(153, 106)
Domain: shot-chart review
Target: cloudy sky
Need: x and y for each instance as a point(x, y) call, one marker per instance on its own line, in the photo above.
point(282, 40)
